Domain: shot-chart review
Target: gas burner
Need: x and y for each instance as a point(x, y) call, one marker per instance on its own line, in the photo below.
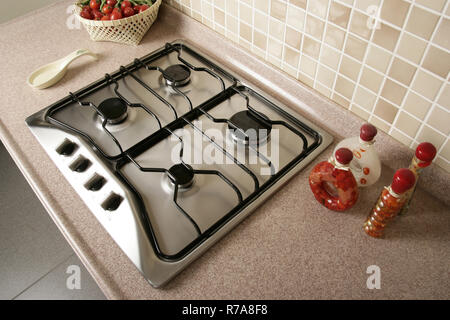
point(182, 175)
point(247, 120)
point(114, 110)
point(177, 75)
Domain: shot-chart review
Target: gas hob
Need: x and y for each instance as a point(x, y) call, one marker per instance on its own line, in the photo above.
point(172, 151)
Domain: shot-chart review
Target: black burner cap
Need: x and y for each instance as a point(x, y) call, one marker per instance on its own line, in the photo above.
point(181, 174)
point(248, 120)
point(177, 75)
point(114, 110)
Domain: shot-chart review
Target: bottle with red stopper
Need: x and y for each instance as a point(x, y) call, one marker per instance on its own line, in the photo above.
point(332, 182)
point(425, 153)
point(390, 202)
point(366, 165)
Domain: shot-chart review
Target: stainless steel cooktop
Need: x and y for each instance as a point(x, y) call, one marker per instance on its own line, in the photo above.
point(172, 151)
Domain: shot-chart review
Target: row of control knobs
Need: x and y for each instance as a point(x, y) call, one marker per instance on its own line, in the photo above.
point(80, 165)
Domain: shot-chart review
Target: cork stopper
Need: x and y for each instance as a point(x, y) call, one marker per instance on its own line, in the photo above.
point(367, 132)
point(403, 180)
point(343, 155)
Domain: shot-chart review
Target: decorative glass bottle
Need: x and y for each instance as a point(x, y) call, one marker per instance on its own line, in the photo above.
point(425, 153)
point(366, 165)
point(332, 182)
point(389, 203)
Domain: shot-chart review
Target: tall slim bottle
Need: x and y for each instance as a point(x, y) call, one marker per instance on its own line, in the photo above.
point(425, 153)
point(390, 202)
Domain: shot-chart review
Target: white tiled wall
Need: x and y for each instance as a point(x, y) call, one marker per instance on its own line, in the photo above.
point(387, 61)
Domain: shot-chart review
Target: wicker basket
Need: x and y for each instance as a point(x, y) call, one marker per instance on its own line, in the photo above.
point(129, 30)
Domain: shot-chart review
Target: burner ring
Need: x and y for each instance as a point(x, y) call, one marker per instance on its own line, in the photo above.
point(114, 110)
point(247, 120)
point(181, 175)
point(177, 75)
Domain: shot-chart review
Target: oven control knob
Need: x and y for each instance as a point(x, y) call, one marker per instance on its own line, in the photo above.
point(80, 165)
point(96, 183)
point(112, 202)
point(67, 148)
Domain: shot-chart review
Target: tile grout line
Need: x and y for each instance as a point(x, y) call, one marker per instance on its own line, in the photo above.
point(43, 276)
point(322, 41)
point(397, 45)
point(363, 64)
point(436, 98)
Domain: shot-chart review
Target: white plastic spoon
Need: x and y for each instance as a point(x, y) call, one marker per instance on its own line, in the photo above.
point(51, 73)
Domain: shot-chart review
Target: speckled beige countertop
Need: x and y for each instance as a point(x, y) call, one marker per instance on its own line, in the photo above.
point(289, 248)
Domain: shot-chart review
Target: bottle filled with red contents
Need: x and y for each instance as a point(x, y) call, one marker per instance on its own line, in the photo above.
point(332, 182)
point(390, 202)
point(425, 153)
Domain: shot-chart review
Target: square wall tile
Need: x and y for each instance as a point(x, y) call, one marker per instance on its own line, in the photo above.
point(421, 22)
point(385, 110)
point(261, 5)
point(442, 34)
point(295, 17)
point(318, 8)
point(371, 79)
point(329, 57)
point(416, 105)
point(311, 47)
point(355, 47)
point(426, 84)
point(393, 91)
point(386, 37)
point(260, 40)
point(326, 76)
point(314, 27)
point(245, 32)
point(334, 36)
point(350, 68)
point(394, 11)
point(402, 71)
point(437, 61)
point(365, 98)
point(232, 7)
point(291, 57)
point(344, 87)
point(261, 21)
point(293, 38)
point(339, 14)
point(359, 25)
point(298, 3)
point(308, 66)
point(275, 48)
point(278, 10)
point(407, 124)
point(276, 29)
point(411, 48)
point(378, 58)
point(440, 120)
point(363, 114)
